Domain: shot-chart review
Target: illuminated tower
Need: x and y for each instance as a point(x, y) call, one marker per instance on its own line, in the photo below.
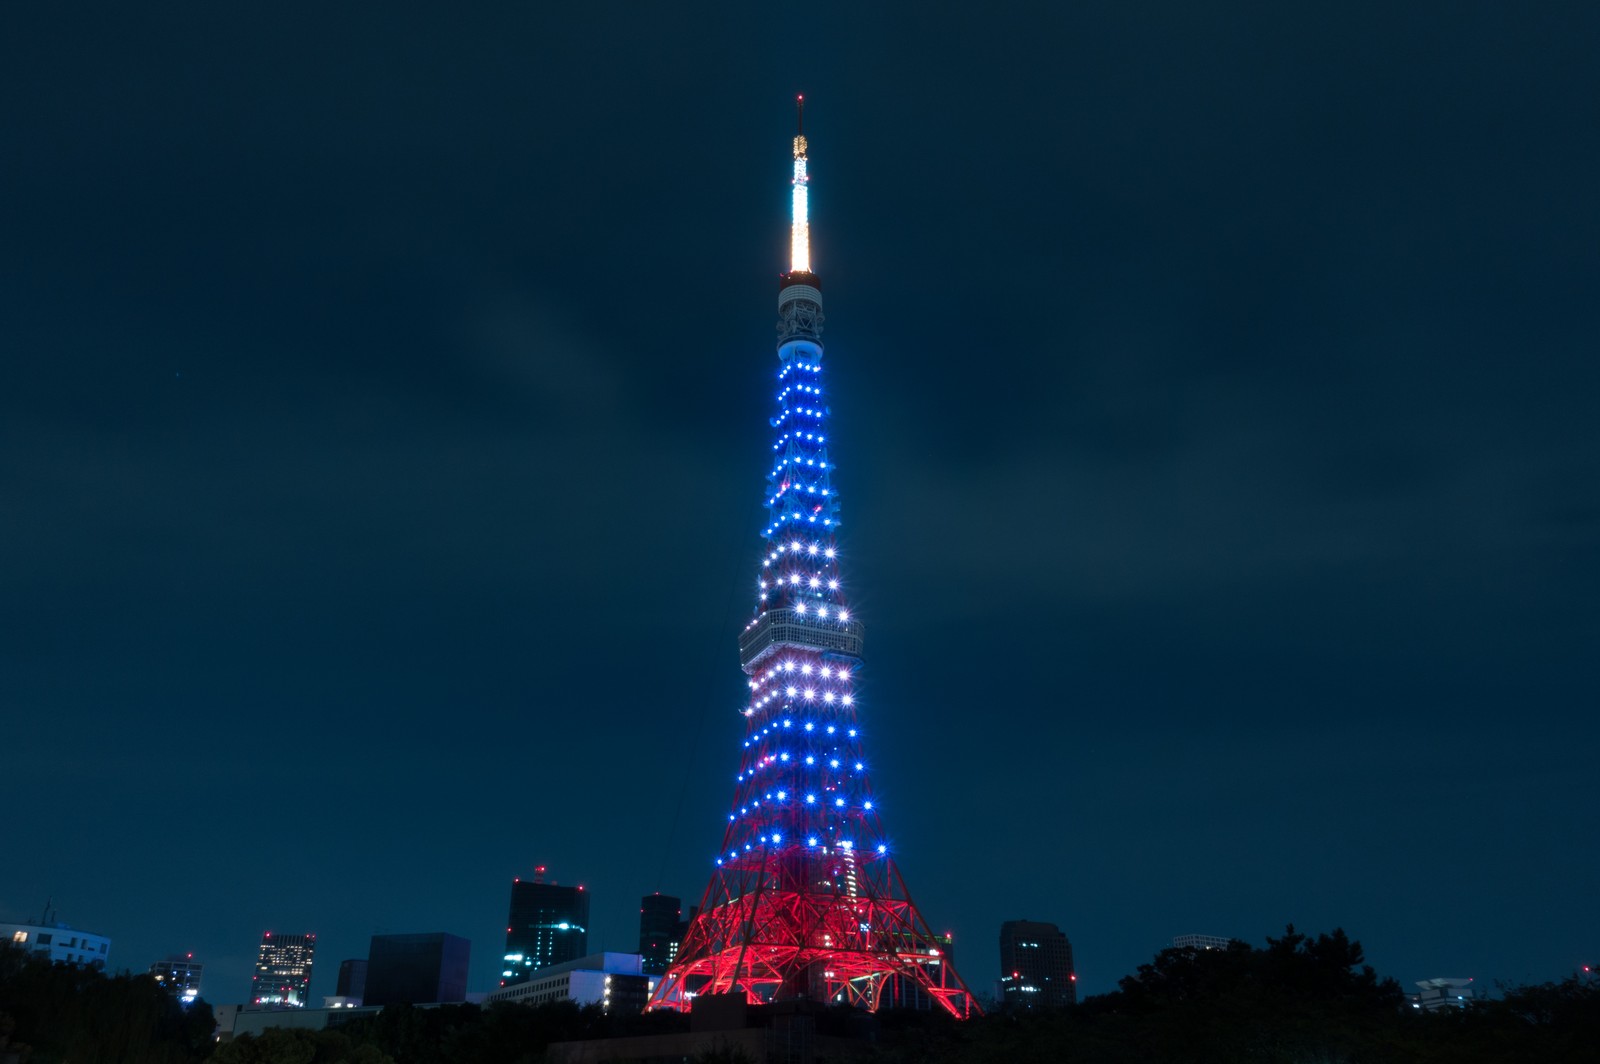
point(805, 901)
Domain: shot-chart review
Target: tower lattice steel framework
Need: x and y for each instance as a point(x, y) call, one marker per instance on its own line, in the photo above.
point(806, 900)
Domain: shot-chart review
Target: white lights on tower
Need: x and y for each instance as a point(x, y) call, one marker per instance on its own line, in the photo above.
point(800, 230)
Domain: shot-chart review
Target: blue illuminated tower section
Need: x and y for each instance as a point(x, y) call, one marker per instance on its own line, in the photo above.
point(805, 900)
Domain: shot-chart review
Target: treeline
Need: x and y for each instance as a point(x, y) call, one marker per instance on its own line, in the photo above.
point(447, 1034)
point(1298, 999)
point(55, 1013)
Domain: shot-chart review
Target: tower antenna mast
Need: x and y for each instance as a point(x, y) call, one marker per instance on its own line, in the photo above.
point(800, 212)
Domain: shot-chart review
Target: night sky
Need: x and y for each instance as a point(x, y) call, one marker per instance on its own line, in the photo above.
point(1214, 391)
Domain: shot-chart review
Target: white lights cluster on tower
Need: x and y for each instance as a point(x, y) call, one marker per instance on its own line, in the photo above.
point(800, 227)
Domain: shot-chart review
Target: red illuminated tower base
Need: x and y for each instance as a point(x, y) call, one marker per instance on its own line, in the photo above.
point(806, 901)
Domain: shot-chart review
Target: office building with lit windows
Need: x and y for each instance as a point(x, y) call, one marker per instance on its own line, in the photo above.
point(283, 971)
point(908, 992)
point(1035, 966)
point(548, 924)
point(179, 975)
point(661, 931)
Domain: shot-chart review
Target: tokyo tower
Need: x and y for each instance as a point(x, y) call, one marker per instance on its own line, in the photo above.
point(806, 901)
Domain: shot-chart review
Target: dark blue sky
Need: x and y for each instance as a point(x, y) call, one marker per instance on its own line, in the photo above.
point(383, 430)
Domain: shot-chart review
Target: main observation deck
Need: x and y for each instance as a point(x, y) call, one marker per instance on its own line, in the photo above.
point(786, 628)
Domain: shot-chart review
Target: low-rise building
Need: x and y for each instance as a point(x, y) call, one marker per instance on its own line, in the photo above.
point(1445, 993)
point(59, 943)
point(610, 980)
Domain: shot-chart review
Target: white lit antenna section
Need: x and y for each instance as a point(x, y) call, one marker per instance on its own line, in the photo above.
point(800, 232)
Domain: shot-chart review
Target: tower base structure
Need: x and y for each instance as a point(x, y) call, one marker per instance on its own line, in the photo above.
point(828, 926)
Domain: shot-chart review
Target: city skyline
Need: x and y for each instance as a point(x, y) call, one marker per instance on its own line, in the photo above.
point(1214, 394)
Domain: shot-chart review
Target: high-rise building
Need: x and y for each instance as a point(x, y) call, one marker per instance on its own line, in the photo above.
point(59, 943)
point(548, 924)
point(1200, 942)
point(352, 983)
point(1035, 966)
point(661, 930)
point(179, 975)
point(421, 969)
point(283, 971)
point(806, 901)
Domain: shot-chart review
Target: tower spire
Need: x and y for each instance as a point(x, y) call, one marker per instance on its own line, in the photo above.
point(800, 225)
